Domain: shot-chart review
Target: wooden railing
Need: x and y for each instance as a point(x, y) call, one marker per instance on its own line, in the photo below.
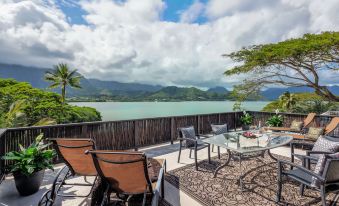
point(133, 134)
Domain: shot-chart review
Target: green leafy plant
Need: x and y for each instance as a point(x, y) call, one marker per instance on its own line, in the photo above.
point(276, 120)
point(32, 159)
point(246, 118)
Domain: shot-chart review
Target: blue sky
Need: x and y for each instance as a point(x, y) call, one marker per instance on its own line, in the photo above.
point(171, 13)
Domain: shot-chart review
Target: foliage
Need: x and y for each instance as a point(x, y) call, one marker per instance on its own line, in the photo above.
point(288, 101)
point(62, 77)
point(246, 118)
point(38, 106)
point(304, 103)
point(275, 121)
point(32, 159)
point(294, 62)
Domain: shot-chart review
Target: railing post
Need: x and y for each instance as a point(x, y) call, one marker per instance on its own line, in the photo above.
point(198, 122)
point(235, 121)
point(135, 136)
point(173, 130)
point(2, 152)
point(84, 132)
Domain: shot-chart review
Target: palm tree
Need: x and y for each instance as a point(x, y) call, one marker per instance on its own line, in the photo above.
point(288, 101)
point(63, 77)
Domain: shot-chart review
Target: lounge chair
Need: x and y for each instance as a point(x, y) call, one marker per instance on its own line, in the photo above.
point(192, 142)
point(72, 152)
point(330, 127)
point(307, 121)
point(325, 182)
point(128, 174)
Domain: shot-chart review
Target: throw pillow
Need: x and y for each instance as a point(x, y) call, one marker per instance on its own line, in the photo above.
point(189, 133)
point(325, 145)
point(219, 128)
point(314, 133)
point(296, 125)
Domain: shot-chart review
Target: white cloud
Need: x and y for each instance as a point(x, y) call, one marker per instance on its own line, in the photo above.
point(192, 13)
point(128, 41)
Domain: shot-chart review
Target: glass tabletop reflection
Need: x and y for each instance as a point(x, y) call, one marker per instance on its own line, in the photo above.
point(237, 142)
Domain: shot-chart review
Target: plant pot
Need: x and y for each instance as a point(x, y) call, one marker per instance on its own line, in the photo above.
point(27, 185)
point(245, 127)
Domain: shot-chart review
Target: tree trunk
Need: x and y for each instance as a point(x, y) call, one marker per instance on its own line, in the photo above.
point(63, 94)
point(323, 91)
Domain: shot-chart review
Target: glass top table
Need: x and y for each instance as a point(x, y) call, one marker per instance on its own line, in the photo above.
point(239, 147)
point(236, 142)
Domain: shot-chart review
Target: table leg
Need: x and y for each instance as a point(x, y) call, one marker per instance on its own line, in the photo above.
point(223, 165)
point(271, 156)
point(241, 174)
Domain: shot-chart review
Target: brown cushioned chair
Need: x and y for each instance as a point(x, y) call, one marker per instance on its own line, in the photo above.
point(128, 174)
point(307, 121)
point(330, 127)
point(72, 153)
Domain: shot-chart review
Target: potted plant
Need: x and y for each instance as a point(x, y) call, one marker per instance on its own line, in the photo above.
point(246, 120)
point(29, 165)
point(276, 120)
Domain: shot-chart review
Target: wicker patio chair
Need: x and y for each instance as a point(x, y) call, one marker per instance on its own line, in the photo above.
point(128, 174)
point(326, 182)
point(192, 142)
point(307, 121)
point(72, 152)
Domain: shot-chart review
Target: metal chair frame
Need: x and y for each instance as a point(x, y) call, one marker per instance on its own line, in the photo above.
point(48, 198)
point(148, 188)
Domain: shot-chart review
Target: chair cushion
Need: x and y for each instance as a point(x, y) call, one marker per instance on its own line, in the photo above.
point(314, 133)
point(189, 133)
point(325, 145)
point(320, 166)
point(296, 125)
point(219, 128)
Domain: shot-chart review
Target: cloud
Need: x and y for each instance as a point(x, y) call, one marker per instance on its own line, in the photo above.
point(192, 13)
point(128, 41)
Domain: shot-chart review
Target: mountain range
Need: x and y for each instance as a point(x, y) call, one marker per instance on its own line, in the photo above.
point(118, 91)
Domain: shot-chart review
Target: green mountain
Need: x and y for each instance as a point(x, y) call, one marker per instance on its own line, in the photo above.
point(173, 93)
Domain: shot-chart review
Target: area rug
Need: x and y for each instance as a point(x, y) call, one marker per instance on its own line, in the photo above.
point(260, 181)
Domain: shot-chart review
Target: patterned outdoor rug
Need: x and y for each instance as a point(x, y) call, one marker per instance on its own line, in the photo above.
point(260, 179)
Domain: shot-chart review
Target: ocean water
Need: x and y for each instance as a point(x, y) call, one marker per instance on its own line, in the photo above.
point(137, 110)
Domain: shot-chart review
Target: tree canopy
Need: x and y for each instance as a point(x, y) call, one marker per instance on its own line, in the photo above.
point(294, 62)
point(37, 107)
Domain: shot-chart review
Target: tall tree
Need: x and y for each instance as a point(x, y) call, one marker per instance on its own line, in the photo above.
point(288, 101)
point(62, 77)
point(294, 62)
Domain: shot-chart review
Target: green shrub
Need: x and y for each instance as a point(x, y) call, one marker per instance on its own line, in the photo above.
point(246, 118)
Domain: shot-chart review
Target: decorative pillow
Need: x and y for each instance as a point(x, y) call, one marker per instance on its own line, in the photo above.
point(314, 133)
point(189, 133)
point(319, 168)
point(296, 125)
point(219, 128)
point(325, 145)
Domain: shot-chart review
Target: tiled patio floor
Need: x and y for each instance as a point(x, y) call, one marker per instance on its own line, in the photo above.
point(10, 197)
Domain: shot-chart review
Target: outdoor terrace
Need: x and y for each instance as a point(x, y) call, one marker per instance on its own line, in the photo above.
point(157, 137)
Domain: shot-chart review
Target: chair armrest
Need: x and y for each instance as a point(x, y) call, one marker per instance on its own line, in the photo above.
point(183, 138)
point(293, 144)
point(308, 153)
point(284, 162)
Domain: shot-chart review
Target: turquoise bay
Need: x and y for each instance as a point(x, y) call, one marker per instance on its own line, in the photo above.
point(138, 110)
